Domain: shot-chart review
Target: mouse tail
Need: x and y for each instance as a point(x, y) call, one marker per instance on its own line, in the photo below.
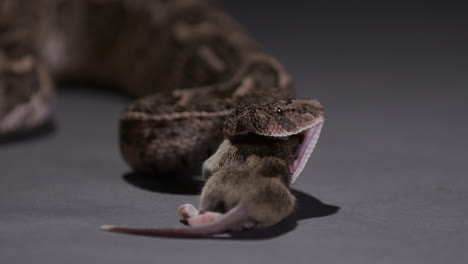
point(230, 220)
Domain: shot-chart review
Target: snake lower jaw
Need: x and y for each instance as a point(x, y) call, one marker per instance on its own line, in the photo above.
point(310, 137)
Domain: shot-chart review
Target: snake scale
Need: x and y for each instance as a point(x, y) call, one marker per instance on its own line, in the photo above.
point(187, 64)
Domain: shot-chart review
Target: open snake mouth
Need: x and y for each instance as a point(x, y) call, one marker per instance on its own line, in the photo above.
point(309, 137)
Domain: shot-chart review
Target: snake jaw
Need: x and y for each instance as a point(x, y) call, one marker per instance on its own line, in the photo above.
point(280, 120)
point(310, 137)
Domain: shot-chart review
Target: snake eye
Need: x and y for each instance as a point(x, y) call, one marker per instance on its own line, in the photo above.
point(279, 110)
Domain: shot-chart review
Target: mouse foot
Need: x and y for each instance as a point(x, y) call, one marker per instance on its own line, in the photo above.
point(204, 218)
point(189, 215)
point(187, 211)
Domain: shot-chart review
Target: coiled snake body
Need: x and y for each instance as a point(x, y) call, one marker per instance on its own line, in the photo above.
point(189, 64)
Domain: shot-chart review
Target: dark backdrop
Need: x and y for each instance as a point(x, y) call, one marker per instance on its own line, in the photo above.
point(392, 156)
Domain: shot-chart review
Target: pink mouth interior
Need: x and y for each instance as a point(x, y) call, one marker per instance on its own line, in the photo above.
point(309, 140)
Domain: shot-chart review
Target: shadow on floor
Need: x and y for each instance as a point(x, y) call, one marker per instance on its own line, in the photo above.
point(174, 183)
point(307, 206)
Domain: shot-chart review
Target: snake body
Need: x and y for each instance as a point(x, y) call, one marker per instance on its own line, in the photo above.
point(187, 63)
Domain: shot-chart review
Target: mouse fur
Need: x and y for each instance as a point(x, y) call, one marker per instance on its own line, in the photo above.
point(248, 185)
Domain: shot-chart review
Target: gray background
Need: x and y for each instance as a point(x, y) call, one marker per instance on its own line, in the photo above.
point(392, 156)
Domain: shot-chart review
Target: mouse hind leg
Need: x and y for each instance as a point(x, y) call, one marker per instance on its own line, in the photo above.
point(187, 211)
point(192, 217)
point(271, 204)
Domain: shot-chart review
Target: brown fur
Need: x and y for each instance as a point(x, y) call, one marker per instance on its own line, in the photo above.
point(250, 190)
point(259, 185)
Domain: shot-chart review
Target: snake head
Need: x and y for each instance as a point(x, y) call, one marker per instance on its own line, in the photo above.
point(280, 119)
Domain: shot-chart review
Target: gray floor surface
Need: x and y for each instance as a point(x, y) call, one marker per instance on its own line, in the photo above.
point(388, 182)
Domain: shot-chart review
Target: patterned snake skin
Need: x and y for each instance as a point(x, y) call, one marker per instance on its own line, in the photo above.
point(187, 63)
